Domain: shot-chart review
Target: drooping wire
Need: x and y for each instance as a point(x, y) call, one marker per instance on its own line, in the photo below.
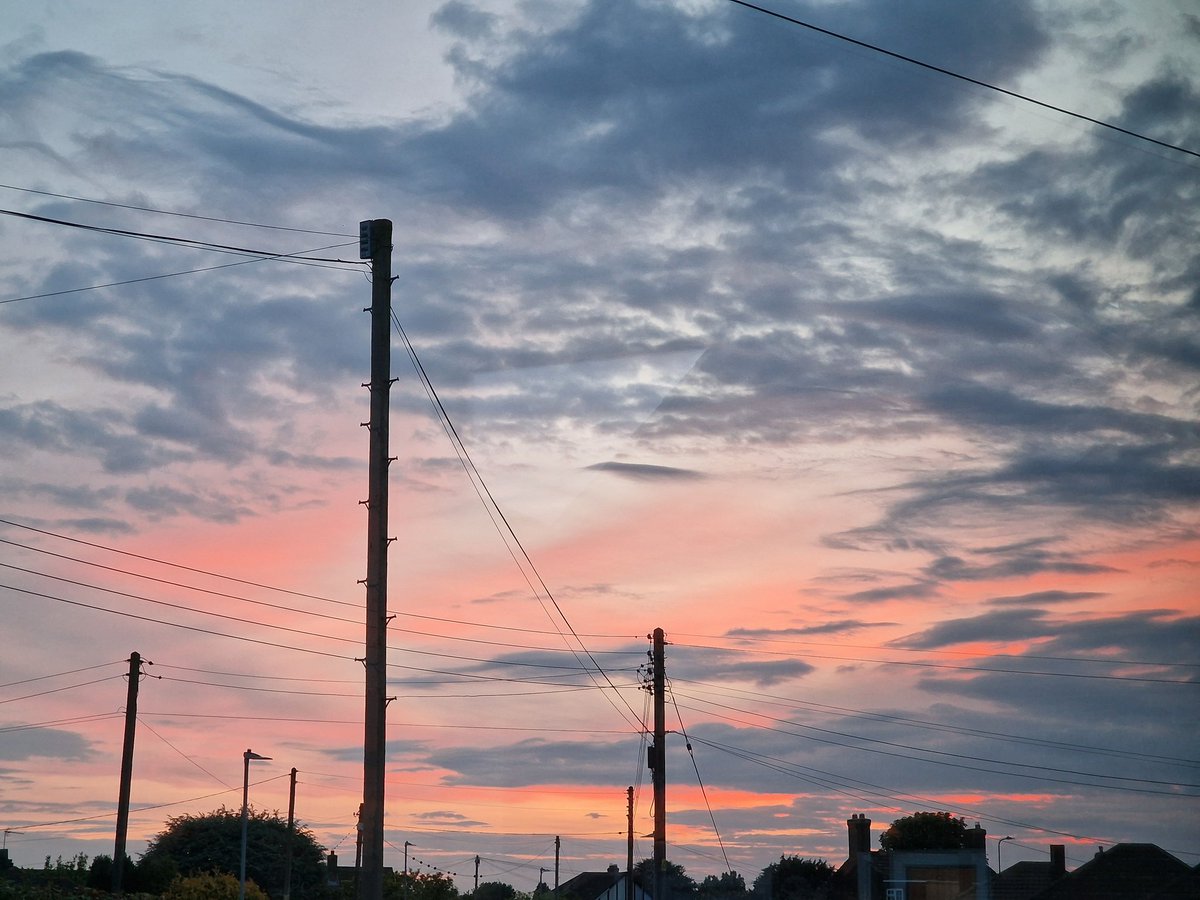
point(478, 483)
point(703, 792)
point(60, 674)
point(975, 81)
point(150, 727)
point(174, 565)
point(194, 243)
point(164, 212)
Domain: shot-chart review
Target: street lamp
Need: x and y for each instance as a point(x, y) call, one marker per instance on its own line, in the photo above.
point(999, 844)
point(246, 757)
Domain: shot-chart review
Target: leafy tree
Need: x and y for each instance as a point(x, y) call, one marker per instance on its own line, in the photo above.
point(925, 831)
point(676, 881)
point(793, 878)
point(494, 890)
point(211, 843)
point(419, 886)
point(212, 886)
point(726, 886)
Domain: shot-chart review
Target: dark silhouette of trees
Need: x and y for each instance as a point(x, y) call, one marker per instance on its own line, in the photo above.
point(675, 879)
point(211, 842)
point(494, 890)
point(793, 878)
point(925, 831)
point(419, 886)
point(726, 886)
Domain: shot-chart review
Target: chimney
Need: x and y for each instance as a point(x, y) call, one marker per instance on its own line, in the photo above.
point(1058, 860)
point(858, 828)
point(614, 870)
point(975, 838)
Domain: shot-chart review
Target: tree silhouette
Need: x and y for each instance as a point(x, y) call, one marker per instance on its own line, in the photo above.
point(211, 842)
point(925, 831)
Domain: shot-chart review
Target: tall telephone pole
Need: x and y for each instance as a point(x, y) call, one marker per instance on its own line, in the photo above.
point(131, 696)
point(375, 243)
point(659, 758)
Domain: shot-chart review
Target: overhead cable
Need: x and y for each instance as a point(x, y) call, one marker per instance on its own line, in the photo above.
point(975, 81)
point(164, 212)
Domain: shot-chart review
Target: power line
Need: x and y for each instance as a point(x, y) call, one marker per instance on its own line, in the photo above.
point(943, 762)
point(60, 674)
point(220, 781)
point(294, 593)
point(477, 482)
point(194, 243)
point(164, 212)
point(96, 287)
point(699, 780)
point(975, 81)
point(69, 687)
point(178, 584)
point(845, 712)
point(193, 628)
point(73, 720)
point(923, 665)
point(734, 635)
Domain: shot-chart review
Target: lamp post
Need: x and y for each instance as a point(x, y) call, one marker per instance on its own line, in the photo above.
point(999, 844)
point(246, 757)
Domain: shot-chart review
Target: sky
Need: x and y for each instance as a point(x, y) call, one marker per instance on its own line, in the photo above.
point(874, 388)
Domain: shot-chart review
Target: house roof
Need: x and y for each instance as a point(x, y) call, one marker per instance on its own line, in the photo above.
point(1125, 872)
point(589, 885)
point(1023, 880)
point(1185, 887)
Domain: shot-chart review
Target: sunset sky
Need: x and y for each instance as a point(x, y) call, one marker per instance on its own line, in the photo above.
point(874, 388)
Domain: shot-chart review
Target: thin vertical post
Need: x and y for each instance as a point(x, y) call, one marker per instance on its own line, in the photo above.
point(660, 766)
point(629, 852)
point(379, 244)
point(131, 697)
point(291, 834)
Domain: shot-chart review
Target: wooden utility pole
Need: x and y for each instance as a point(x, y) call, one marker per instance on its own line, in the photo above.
point(557, 848)
point(291, 834)
point(375, 243)
point(118, 871)
point(659, 758)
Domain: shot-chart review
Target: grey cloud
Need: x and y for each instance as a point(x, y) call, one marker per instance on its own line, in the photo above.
point(1045, 598)
point(918, 590)
point(840, 626)
point(954, 568)
point(646, 471)
point(52, 743)
point(536, 761)
point(998, 627)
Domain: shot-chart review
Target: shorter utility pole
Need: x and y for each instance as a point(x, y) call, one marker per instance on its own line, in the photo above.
point(287, 867)
point(658, 759)
point(131, 698)
point(476, 872)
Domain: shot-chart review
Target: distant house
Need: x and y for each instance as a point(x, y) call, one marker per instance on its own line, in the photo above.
point(609, 885)
point(1126, 872)
point(911, 874)
point(1025, 880)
